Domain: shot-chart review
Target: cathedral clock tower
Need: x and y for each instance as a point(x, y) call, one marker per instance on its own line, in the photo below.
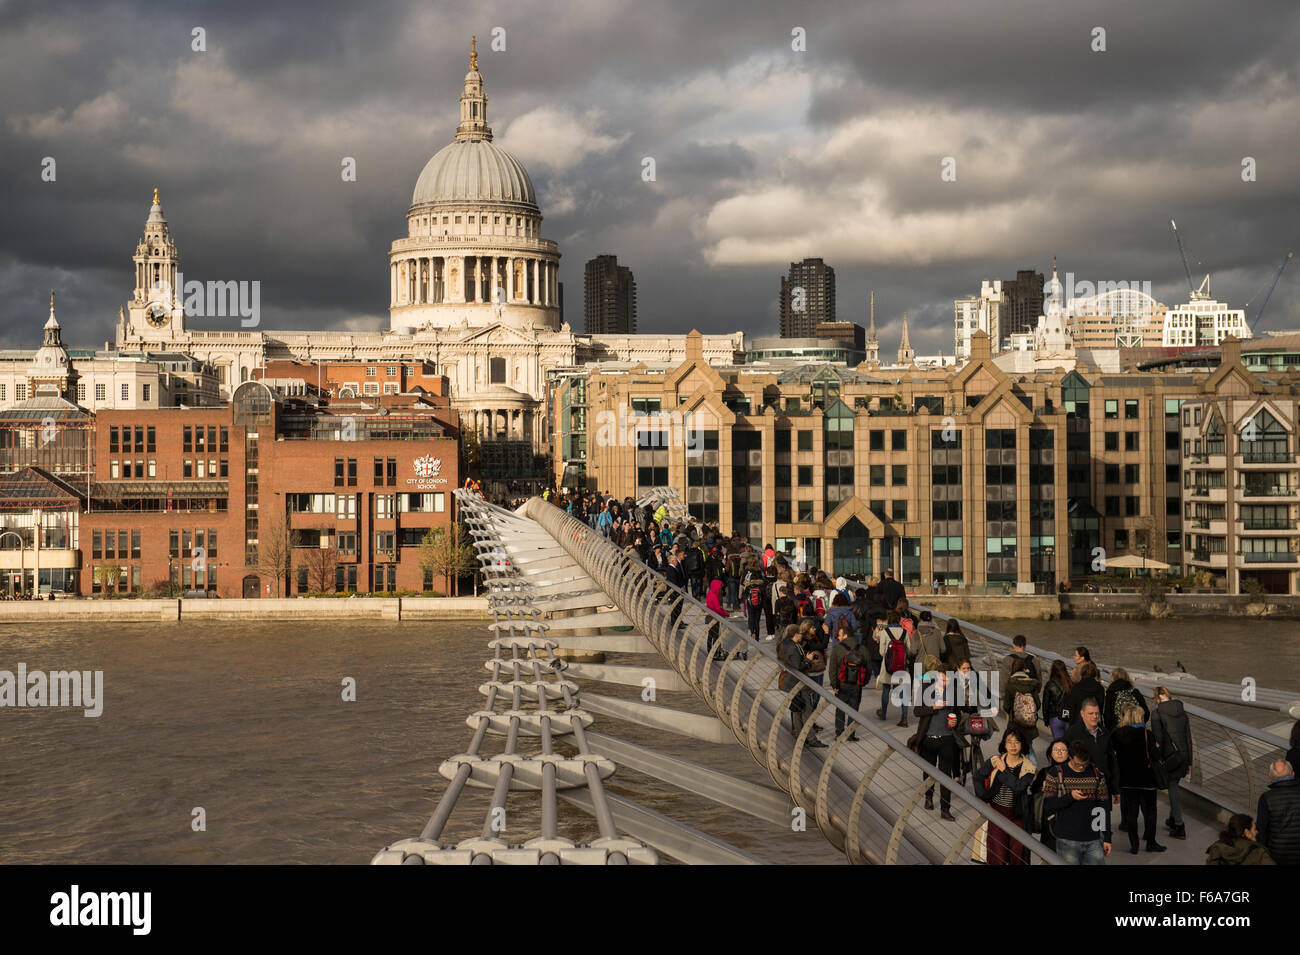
point(155, 313)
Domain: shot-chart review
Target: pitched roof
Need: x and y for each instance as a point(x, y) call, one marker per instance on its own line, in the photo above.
point(36, 487)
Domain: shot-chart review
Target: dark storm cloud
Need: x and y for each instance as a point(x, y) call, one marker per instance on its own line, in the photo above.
point(1060, 150)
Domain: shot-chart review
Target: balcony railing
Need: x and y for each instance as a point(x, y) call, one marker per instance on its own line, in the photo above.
point(1201, 555)
point(1276, 524)
point(1267, 490)
point(1266, 457)
point(1268, 557)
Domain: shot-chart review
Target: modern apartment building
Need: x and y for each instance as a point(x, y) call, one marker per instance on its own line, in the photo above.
point(1241, 486)
point(807, 298)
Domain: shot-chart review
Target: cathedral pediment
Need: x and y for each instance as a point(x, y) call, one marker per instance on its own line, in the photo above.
point(499, 335)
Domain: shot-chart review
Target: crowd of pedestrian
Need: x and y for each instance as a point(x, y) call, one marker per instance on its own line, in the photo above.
point(1106, 743)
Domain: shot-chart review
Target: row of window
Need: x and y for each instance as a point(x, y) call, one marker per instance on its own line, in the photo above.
point(115, 545)
point(344, 506)
point(211, 438)
point(127, 439)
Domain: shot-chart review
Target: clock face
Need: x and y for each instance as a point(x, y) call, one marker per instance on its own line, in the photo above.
point(157, 315)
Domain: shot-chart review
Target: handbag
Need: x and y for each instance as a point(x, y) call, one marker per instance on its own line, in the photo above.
point(981, 726)
point(1167, 766)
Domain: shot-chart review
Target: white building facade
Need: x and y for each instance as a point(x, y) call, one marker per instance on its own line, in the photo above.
point(979, 313)
point(1203, 322)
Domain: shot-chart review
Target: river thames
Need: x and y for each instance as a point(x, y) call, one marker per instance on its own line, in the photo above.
point(248, 723)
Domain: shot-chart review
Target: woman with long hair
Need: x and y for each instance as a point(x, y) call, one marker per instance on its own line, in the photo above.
point(1172, 730)
point(955, 645)
point(1055, 693)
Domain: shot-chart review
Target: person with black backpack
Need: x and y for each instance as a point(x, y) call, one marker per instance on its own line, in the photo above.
point(695, 560)
point(1119, 694)
point(847, 670)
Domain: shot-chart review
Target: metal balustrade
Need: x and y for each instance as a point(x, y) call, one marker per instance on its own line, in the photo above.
point(1230, 759)
point(863, 794)
point(519, 697)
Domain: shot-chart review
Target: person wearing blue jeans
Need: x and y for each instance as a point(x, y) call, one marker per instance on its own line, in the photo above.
point(1077, 793)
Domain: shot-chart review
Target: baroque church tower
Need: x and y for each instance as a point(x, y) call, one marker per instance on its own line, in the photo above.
point(155, 312)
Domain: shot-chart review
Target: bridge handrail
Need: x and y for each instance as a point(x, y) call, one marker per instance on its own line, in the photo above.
point(649, 600)
point(1238, 745)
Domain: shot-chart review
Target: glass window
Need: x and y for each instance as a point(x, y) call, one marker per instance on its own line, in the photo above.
point(1130, 408)
point(805, 441)
point(1112, 408)
point(1112, 440)
point(899, 477)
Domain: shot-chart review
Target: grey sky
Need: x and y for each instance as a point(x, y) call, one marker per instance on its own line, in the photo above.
point(763, 154)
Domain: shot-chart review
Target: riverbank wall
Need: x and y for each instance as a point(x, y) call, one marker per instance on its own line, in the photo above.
point(286, 609)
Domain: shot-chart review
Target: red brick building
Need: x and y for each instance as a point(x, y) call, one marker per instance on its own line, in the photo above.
point(203, 498)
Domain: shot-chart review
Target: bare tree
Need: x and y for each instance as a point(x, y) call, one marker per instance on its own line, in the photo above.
point(274, 552)
point(444, 553)
point(321, 564)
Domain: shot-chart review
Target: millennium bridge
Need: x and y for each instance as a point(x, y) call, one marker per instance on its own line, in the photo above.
point(560, 595)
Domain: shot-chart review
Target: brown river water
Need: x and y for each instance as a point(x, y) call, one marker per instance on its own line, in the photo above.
point(247, 721)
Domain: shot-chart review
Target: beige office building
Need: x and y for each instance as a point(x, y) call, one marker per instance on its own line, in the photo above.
point(968, 477)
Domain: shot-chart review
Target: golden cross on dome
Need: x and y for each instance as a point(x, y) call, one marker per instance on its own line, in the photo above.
point(473, 53)
point(155, 193)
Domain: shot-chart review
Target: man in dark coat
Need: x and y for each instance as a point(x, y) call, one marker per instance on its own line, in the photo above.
point(1090, 730)
point(891, 591)
point(1278, 816)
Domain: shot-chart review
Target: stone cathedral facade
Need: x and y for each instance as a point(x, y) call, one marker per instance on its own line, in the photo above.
point(473, 289)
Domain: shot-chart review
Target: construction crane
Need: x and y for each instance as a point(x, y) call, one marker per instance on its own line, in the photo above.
point(1269, 294)
point(1183, 255)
